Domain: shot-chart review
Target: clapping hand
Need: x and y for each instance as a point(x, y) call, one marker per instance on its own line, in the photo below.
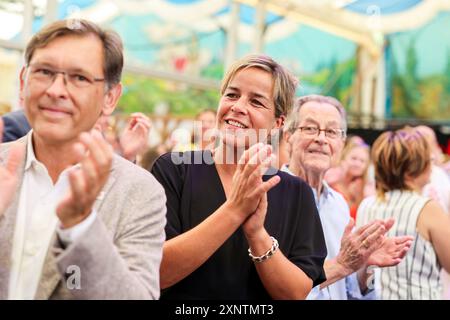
point(135, 136)
point(248, 188)
point(391, 251)
point(8, 175)
point(95, 156)
point(368, 246)
point(356, 247)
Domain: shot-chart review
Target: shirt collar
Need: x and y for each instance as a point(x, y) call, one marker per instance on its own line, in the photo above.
point(326, 190)
point(285, 168)
point(31, 157)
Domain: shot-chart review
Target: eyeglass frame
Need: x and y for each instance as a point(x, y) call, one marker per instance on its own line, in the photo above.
point(66, 75)
point(342, 133)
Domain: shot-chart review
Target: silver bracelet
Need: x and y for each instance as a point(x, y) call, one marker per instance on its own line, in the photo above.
point(266, 255)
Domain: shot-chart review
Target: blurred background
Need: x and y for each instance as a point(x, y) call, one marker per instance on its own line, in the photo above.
point(388, 61)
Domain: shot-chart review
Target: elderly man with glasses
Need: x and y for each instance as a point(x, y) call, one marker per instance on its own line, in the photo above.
point(316, 132)
point(82, 223)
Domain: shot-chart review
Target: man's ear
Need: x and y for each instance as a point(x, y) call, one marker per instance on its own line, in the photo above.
point(22, 87)
point(111, 99)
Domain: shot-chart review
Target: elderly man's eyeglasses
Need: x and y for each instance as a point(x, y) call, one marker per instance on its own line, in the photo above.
point(47, 75)
point(315, 131)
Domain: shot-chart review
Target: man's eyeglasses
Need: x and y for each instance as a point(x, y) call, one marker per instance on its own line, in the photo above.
point(329, 133)
point(47, 75)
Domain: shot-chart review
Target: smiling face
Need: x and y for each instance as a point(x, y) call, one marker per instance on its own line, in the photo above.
point(208, 120)
point(204, 124)
point(246, 112)
point(58, 112)
point(356, 161)
point(316, 154)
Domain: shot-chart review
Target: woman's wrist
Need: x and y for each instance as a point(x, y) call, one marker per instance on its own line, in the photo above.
point(259, 242)
point(234, 212)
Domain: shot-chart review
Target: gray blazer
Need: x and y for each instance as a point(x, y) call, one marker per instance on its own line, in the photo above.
point(118, 257)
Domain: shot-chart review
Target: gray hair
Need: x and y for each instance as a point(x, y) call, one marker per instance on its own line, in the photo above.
point(294, 117)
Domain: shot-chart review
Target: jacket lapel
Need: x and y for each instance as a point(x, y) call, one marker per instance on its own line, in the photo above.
point(50, 276)
point(98, 205)
point(7, 225)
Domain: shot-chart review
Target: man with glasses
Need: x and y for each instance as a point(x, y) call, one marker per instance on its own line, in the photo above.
point(83, 223)
point(316, 131)
point(132, 140)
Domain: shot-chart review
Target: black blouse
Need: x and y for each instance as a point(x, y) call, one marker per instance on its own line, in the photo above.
point(194, 191)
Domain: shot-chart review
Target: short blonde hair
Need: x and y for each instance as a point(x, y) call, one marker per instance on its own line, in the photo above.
point(284, 82)
point(352, 143)
point(396, 155)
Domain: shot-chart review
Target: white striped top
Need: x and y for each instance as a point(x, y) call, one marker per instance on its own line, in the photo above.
point(417, 277)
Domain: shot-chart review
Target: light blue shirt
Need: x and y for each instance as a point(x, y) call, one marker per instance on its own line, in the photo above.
point(334, 215)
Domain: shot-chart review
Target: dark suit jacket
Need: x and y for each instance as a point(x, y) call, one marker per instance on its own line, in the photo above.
point(15, 125)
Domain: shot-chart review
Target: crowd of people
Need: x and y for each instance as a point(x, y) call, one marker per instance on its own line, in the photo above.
point(269, 200)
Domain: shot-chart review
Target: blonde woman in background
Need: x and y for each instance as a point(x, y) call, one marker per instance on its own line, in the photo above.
point(350, 178)
point(203, 137)
point(402, 167)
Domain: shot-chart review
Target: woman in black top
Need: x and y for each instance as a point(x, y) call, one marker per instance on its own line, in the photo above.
point(221, 207)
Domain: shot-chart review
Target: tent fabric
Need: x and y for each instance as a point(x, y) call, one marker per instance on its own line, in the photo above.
point(190, 37)
point(385, 7)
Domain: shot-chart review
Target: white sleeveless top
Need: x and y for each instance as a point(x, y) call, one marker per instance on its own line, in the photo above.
point(418, 275)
